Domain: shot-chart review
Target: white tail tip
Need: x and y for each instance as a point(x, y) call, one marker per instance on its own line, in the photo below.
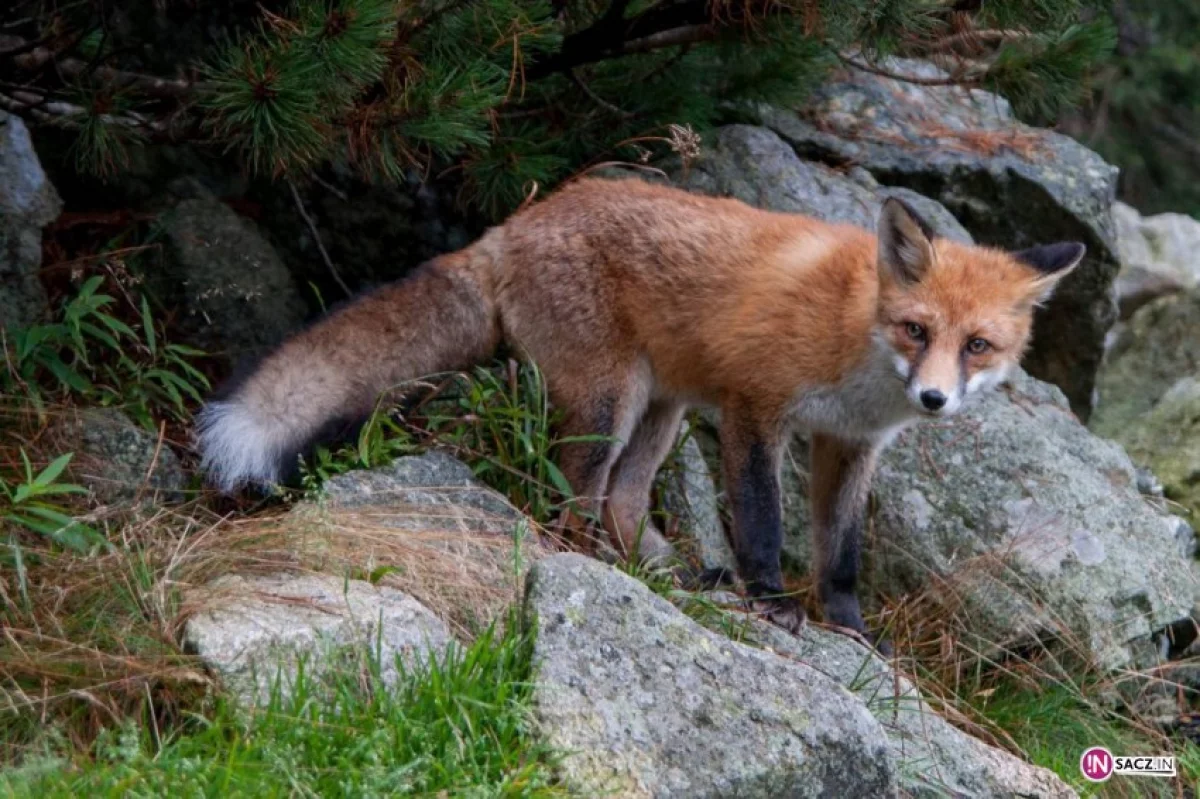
point(235, 448)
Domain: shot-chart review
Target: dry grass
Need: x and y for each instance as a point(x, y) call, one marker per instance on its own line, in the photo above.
point(1039, 695)
point(89, 641)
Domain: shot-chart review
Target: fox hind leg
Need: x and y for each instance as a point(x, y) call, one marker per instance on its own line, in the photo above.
point(626, 514)
point(606, 411)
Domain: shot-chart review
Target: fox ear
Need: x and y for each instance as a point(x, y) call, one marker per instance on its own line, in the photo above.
point(905, 243)
point(1052, 262)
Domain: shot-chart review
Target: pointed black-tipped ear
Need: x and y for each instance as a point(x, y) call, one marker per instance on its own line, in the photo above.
point(1052, 262)
point(1050, 259)
point(905, 243)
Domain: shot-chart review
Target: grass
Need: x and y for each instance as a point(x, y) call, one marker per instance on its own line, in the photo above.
point(457, 726)
point(1054, 726)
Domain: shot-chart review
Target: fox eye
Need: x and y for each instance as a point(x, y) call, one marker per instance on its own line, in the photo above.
point(977, 346)
point(915, 331)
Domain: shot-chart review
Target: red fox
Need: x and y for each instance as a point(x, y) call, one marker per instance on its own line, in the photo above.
point(638, 301)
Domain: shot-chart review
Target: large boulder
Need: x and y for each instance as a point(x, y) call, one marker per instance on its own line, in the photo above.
point(237, 294)
point(1009, 184)
point(373, 232)
point(116, 459)
point(257, 632)
point(1167, 440)
point(27, 204)
point(933, 758)
point(1158, 256)
point(1030, 528)
point(435, 489)
point(644, 702)
point(1159, 345)
point(423, 525)
point(756, 166)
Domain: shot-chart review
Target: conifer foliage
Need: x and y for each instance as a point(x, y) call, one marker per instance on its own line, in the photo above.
point(513, 94)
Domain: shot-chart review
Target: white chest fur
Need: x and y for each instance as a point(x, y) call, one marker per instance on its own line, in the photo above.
point(869, 404)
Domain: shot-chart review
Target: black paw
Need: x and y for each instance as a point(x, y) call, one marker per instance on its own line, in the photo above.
point(784, 611)
point(882, 645)
point(843, 614)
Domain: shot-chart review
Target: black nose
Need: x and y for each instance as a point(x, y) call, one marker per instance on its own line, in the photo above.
point(933, 399)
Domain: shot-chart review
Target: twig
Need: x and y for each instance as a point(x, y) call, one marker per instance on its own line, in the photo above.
point(597, 99)
point(39, 56)
point(44, 110)
point(329, 187)
point(162, 434)
point(312, 226)
point(688, 34)
point(949, 80)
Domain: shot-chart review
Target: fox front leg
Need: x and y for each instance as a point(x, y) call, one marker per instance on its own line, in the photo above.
point(841, 473)
point(751, 454)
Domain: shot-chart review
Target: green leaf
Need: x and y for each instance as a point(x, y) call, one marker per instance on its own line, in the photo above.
point(148, 327)
point(53, 470)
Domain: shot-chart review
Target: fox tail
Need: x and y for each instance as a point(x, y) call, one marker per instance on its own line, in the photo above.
point(325, 379)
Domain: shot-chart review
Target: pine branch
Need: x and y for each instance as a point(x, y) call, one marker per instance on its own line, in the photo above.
point(31, 56)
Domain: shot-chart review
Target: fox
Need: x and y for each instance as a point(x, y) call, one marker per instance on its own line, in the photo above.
point(638, 301)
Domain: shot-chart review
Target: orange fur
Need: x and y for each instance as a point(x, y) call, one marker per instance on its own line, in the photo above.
point(638, 300)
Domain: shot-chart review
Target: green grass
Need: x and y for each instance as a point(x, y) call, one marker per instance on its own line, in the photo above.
point(457, 726)
point(1056, 725)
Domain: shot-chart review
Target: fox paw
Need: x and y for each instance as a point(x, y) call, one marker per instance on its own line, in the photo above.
point(786, 612)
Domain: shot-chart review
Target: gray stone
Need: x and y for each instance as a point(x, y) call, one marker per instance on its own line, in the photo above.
point(373, 231)
point(1167, 439)
point(27, 204)
point(758, 167)
point(239, 297)
point(932, 757)
point(689, 493)
point(116, 459)
point(421, 491)
point(1159, 345)
point(1038, 523)
point(643, 702)
point(256, 631)
point(1158, 256)
point(1034, 525)
point(1009, 184)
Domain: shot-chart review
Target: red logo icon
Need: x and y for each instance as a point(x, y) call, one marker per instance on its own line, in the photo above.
point(1097, 764)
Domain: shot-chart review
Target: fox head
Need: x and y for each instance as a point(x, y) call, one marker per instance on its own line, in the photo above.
point(955, 318)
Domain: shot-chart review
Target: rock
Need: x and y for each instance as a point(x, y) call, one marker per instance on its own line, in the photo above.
point(239, 297)
point(1167, 439)
point(1036, 521)
point(424, 525)
point(255, 630)
point(756, 166)
point(1009, 184)
point(932, 757)
point(1158, 256)
point(430, 489)
point(643, 702)
point(116, 459)
point(689, 494)
point(1159, 345)
point(374, 232)
point(1033, 524)
point(27, 204)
